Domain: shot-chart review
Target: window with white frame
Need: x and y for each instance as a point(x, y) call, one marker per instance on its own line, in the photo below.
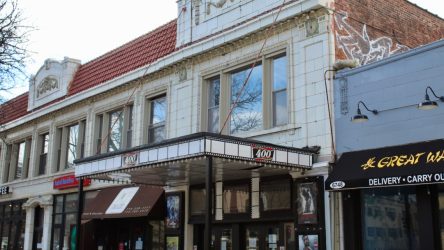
point(213, 104)
point(43, 156)
point(157, 119)
point(113, 130)
point(279, 90)
point(249, 98)
point(246, 102)
point(19, 160)
point(69, 140)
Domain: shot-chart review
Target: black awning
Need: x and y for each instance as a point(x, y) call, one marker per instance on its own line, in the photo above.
point(411, 164)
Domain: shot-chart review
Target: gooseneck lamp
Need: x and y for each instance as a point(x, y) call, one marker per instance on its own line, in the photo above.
point(427, 104)
point(359, 117)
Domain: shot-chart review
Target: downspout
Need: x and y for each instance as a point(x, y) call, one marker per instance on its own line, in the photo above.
point(336, 214)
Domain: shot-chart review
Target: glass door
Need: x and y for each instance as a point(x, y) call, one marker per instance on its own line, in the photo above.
point(264, 237)
point(222, 238)
point(441, 213)
point(226, 239)
point(272, 237)
point(252, 238)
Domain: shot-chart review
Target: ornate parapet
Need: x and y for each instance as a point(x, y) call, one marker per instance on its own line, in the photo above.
point(51, 81)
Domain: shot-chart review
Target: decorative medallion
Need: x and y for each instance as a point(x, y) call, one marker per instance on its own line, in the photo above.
point(47, 85)
point(312, 27)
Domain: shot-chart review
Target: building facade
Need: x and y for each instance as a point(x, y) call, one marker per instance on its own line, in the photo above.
point(390, 167)
point(224, 108)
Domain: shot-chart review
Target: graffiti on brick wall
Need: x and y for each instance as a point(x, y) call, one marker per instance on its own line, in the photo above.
point(358, 45)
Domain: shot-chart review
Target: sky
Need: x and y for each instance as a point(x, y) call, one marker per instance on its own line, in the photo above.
point(86, 29)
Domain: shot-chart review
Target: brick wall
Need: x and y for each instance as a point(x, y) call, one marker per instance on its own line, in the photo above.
point(369, 30)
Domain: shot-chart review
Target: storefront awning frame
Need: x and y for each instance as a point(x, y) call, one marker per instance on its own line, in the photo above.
point(190, 148)
point(410, 164)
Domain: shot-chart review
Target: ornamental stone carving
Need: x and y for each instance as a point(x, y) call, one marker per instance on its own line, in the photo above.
point(47, 85)
point(42, 201)
point(218, 4)
point(196, 7)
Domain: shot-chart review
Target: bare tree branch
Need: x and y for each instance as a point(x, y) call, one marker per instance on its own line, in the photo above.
point(13, 45)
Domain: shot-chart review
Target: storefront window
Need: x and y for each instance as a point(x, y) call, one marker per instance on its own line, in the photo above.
point(197, 201)
point(236, 199)
point(441, 213)
point(226, 240)
point(12, 219)
point(64, 221)
point(275, 195)
point(390, 219)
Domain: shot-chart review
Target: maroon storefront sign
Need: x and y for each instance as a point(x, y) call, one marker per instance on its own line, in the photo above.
point(69, 181)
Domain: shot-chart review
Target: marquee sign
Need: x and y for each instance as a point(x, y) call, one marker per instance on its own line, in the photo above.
point(195, 146)
point(130, 159)
point(419, 163)
point(263, 153)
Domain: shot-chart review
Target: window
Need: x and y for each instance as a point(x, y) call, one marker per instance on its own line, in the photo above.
point(213, 105)
point(12, 221)
point(114, 130)
point(246, 101)
point(99, 125)
point(390, 218)
point(275, 195)
point(69, 144)
point(236, 199)
point(257, 97)
point(72, 144)
point(156, 128)
point(44, 140)
point(279, 97)
point(197, 201)
point(19, 160)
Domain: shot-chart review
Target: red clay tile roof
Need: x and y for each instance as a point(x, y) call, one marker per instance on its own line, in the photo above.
point(14, 108)
point(135, 54)
point(141, 51)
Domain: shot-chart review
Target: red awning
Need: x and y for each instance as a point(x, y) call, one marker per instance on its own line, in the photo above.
point(124, 202)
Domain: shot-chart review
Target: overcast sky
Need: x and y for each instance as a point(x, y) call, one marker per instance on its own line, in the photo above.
point(86, 29)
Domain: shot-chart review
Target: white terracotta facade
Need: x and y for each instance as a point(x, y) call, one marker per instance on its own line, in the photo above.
point(181, 77)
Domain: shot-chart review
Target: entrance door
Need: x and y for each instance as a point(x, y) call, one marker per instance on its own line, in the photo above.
point(264, 237)
point(38, 228)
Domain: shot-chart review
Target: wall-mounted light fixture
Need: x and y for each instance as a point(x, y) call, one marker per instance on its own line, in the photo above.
point(359, 117)
point(427, 104)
